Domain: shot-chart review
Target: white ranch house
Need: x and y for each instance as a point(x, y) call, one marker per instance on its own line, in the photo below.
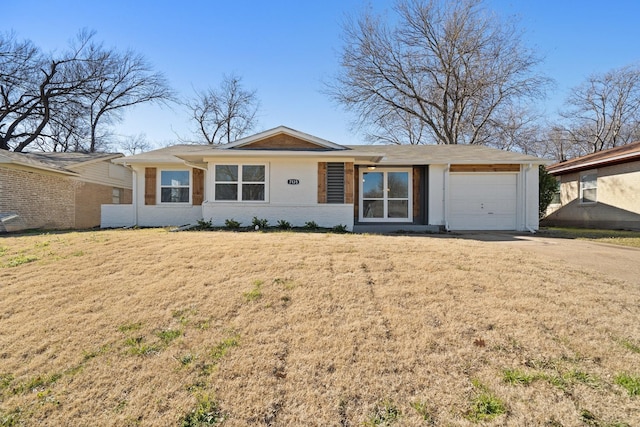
point(284, 174)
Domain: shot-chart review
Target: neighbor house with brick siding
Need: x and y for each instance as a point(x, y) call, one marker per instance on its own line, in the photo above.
point(284, 174)
point(599, 190)
point(59, 190)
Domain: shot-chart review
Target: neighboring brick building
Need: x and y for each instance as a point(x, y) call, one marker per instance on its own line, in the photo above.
point(59, 190)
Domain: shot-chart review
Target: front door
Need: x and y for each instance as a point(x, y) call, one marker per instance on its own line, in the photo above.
point(385, 195)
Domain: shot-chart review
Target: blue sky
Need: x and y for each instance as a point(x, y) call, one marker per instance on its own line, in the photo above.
point(286, 49)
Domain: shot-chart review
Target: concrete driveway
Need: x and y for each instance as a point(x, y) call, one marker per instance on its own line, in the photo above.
point(619, 262)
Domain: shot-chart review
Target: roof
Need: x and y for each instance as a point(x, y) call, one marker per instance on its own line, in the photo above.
point(287, 131)
point(612, 156)
point(367, 154)
point(64, 163)
point(445, 154)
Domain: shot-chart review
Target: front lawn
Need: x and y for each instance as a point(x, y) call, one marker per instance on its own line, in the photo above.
point(152, 328)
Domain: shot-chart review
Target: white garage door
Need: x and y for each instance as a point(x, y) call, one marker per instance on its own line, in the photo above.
point(480, 201)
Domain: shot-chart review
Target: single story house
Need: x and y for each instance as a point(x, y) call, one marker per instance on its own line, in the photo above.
point(599, 190)
point(284, 174)
point(59, 190)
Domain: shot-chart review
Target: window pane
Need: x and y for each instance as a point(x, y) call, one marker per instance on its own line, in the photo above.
point(226, 173)
point(372, 185)
point(174, 195)
point(589, 195)
point(253, 173)
point(373, 209)
point(398, 209)
point(174, 178)
point(253, 192)
point(398, 183)
point(226, 191)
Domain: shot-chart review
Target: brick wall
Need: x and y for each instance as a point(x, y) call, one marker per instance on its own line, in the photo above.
point(42, 200)
point(50, 201)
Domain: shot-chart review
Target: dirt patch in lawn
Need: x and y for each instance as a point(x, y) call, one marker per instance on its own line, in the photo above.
point(146, 327)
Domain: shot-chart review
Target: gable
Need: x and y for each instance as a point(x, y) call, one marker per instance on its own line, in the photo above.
point(281, 142)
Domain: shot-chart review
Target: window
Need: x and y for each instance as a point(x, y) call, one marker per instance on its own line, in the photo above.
point(240, 183)
point(174, 186)
point(556, 200)
point(386, 196)
point(589, 188)
point(116, 196)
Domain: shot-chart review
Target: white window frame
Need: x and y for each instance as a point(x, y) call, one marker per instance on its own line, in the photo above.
point(160, 186)
point(241, 182)
point(591, 185)
point(385, 199)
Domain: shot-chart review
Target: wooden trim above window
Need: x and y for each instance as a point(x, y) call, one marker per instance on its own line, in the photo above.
point(150, 186)
point(485, 168)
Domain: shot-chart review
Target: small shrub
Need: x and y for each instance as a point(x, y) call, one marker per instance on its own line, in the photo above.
point(231, 224)
point(284, 224)
point(630, 383)
point(207, 413)
point(204, 225)
point(260, 223)
point(311, 225)
point(340, 228)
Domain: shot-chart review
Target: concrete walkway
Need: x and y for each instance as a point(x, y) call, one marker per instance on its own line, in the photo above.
point(619, 262)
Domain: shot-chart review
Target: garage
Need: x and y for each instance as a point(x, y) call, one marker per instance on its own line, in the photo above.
point(482, 201)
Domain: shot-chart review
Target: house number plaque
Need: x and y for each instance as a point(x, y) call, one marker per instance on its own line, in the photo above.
point(293, 181)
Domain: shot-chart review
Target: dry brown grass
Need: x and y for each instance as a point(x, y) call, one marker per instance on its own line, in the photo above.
point(305, 329)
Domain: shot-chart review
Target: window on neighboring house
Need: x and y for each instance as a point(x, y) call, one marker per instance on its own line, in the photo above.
point(589, 187)
point(174, 186)
point(556, 196)
point(116, 196)
point(240, 183)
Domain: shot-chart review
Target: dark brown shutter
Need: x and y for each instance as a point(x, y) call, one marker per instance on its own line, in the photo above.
point(348, 182)
point(149, 186)
point(417, 191)
point(322, 182)
point(198, 187)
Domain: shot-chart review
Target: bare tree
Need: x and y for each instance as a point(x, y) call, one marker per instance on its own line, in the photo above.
point(61, 102)
point(450, 66)
point(32, 86)
point(226, 113)
point(604, 111)
point(134, 144)
point(127, 79)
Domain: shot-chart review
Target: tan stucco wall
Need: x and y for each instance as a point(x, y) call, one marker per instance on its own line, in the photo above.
point(618, 200)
